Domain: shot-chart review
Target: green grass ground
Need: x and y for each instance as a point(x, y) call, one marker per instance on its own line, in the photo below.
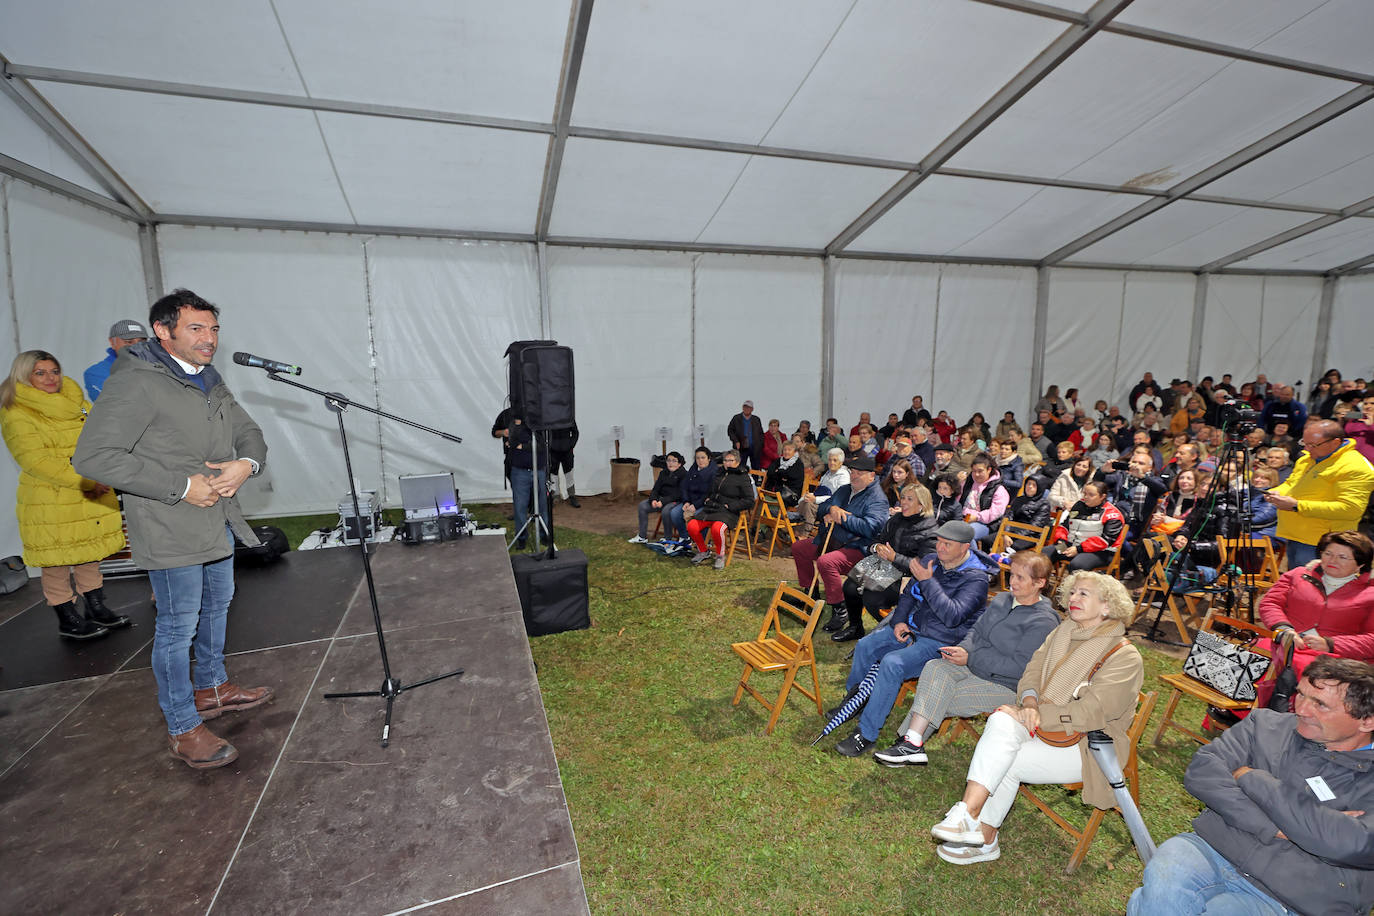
point(681, 804)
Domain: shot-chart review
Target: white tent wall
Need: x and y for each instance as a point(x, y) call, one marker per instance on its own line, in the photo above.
point(73, 271)
point(628, 317)
point(1351, 344)
point(1260, 324)
point(758, 336)
point(443, 313)
point(984, 335)
point(1156, 326)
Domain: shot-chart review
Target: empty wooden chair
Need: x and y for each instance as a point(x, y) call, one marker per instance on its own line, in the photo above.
point(775, 651)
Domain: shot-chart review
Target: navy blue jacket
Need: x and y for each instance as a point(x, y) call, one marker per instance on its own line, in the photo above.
point(945, 606)
point(869, 515)
point(696, 484)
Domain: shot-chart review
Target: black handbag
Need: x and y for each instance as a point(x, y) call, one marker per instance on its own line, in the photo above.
point(1227, 668)
point(1286, 684)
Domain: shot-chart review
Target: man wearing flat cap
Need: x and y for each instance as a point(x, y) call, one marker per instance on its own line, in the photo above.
point(948, 591)
point(855, 515)
point(125, 333)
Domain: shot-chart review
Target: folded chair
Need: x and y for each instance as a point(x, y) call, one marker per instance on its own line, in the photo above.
point(1145, 704)
point(773, 650)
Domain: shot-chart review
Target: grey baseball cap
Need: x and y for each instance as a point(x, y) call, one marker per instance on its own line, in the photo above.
point(128, 329)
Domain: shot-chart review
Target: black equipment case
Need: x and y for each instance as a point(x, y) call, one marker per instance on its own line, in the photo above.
point(553, 592)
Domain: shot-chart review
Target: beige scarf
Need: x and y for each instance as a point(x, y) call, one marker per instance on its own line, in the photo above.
point(1073, 650)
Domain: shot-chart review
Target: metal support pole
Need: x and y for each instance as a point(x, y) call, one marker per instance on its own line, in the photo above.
point(1195, 336)
point(1042, 324)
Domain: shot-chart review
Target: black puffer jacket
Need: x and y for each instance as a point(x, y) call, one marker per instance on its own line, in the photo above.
point(731, 493)
point(910, 536)
point(668, 487)
point(787, 481)
point(1030, 510)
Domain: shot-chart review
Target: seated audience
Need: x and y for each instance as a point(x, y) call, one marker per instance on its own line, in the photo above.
point(854, 516)
point(966, 448)
point(904, 448)
point(804, 430)
point(1085, 676)
point(1176, 504)
point(786, 475)
point(1060, 461)
point(1091, 533)
point(943, 464)
point(1104, 450)
point(908, 534)
point(868, 441)
point(772, 443)
point(1010, 467)
point(922, 447)
point(1135, 490)
point(949, 589)
point(835, 476)
point(696, 485)
point(1287, 826)
point(732, 492)
point(1043, 444)
point(885, 432)
point(981, 672)
point(979, 425)
point(1031, 507)
point(1007, 424)
point(944, 427)
point(1031, 456)
point(916, 412)
point(945, 498)
point(984, 498)
point(666, 493)
point(810, 456)
point(897, 477)
point(834, 438)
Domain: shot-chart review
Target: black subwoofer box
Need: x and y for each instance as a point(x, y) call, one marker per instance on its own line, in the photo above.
point(553, 592)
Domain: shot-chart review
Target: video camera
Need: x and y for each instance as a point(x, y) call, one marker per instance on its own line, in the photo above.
point(1237, 418)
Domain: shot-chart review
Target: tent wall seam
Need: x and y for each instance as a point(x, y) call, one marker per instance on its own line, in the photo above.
point(1120, 326)
point(372, 364)
point(1199, 318)
point(9, 258)
point(935, 330)
point(692, 346)
point(1323, 332)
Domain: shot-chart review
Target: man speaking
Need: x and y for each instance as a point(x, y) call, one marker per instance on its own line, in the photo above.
point(168, 432)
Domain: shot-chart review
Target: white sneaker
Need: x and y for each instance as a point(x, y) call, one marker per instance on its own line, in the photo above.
point(968, 855)
point(958, 828)
point(638, 540)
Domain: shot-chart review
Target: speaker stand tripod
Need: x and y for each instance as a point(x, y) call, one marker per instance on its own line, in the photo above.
point(391, 686)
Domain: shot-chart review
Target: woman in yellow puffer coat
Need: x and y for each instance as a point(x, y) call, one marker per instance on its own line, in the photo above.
point(68, 524)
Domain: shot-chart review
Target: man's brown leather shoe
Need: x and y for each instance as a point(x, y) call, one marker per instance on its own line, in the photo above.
point(228, 697)
point(202, 749)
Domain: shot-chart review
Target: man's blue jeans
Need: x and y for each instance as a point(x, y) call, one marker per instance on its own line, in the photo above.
point(1187, 877)
point(192, 608)
point(900, 661)
point(1300, 554)
point(520, 496)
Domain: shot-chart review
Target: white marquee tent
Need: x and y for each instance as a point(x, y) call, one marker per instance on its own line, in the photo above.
point(825, 206)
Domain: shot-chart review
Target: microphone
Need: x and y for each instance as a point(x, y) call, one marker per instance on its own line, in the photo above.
point(271, 365)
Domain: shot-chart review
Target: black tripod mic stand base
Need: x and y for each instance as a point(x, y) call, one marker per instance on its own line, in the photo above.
point(390, 690)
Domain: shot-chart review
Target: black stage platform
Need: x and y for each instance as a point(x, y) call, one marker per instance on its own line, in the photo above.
point(463, 813)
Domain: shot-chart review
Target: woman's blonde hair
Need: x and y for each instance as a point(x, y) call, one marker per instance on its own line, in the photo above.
point(20, 372)
point(922, 495)
point(1111, 592)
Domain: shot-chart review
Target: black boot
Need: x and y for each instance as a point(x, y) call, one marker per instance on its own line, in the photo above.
point(572, 498)
point(72, 625)
point(100, 614)
point(839, 618)
point(854, 627)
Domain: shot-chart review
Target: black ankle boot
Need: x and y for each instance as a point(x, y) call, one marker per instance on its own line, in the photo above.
point(72, 625)
point(835, 710)
point(572, 499)
point(100, 614)
point(854, 628)
point(839, 618)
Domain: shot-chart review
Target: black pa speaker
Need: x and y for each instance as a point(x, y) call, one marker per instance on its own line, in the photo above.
point(541, 384)
point(553, 591)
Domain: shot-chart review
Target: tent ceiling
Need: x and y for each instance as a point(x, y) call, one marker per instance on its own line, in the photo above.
point(774, 125)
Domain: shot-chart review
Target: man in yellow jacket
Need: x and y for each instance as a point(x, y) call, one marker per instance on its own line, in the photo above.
point(1327, 491)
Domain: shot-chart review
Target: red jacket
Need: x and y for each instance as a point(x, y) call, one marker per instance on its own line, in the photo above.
point(1346, 616)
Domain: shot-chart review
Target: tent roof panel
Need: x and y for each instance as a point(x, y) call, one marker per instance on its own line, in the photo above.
point(900, 76)
point(27, 142)
point(497, 59)
point(1324, 249)
point(788, 203)
point(440, 176)
point(973, 217)
point(246, 160)
point(609, 189)
point(1332, 32)
point(1189, 233)
point(1327, 167)
point(1126, 111)
point(712, 69)
point(223, 44)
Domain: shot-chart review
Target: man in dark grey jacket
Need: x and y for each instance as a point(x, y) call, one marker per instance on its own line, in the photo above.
point(1289, 822)
point(169, 433)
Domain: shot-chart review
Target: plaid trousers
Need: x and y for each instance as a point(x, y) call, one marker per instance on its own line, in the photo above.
point(946, 689)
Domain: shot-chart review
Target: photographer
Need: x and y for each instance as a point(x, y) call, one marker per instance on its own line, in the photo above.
point(1227, 507)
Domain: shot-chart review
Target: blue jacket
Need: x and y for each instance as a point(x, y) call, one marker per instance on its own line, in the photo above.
point(94, 377)
point(868, 510)
point(945, 606)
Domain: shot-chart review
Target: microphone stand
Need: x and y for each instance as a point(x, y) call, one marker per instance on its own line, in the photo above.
point(391, 686)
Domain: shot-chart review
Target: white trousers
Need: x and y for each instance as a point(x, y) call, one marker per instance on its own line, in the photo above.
point(1007, 756)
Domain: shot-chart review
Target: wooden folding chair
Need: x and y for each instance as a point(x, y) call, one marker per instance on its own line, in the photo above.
point(1182, 685)
point(1159, 548)
point(1256, 559)
point(741, 531)
point(765, 510)
point(1145, 704)
point(815, 564)
point(1022, 532)
point(774, 650)
point(781, 524)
